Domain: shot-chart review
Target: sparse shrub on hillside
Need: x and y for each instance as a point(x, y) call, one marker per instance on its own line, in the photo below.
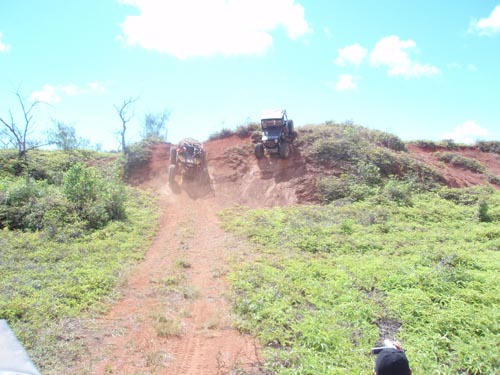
point(461, 161)
point(334, 188)
point(398, 191)
point(449, 144)
point(244, 131)
point(388, 140)
point(47, 165)
point(426, 145)
point(256, 136)
point(482, 211)
point(388, 162)
point(366, 172)
point(10, 164)
point(366, 159)
point(139, 153)
point(221, 134)
point(241, 131)
point(489, 146)
point(459, 196)
point(334, 151)
point(95, 200)
point(493, 179)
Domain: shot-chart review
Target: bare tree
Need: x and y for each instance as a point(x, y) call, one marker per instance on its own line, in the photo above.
point(19, 136)
point(125, 116)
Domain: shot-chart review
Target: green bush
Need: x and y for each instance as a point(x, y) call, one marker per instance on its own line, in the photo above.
point(489, 146)
point(388, 140)
point(332, 188)
point(398, 191)
point(139, 153)
point(461, 161)
point(493, 179)
point(460, 196)
point(324, 278)
point(449, 144)
point(95, 199)
point(221, 134)
point(247, 130)
point(482, 211)
point(426, 145)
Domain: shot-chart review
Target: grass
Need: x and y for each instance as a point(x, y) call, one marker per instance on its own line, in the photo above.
point(461, 161)
point(328, 279)
point(166, 326)
point(44, 283)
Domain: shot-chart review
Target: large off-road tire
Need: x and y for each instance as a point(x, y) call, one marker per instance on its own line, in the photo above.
point(203, 175)
point(284, 149)
point(173, 156)
point(204, 159)
point(171, 174)
point(290, 127)
point(259, 150)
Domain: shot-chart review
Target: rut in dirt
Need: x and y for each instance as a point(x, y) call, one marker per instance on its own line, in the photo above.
point(174, 316)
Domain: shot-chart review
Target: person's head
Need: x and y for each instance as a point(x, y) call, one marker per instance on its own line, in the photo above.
point(392, 361)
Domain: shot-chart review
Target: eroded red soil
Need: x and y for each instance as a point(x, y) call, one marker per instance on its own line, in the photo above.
point(174, 317)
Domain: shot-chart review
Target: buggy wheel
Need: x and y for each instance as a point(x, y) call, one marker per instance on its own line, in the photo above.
point(171, 174)
point(284, 149)
point(173, 155)
point(259, 150)
point(204, 159)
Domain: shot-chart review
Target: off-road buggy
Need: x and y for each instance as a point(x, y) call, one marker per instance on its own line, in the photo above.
point(278, 134)
point(189, 160)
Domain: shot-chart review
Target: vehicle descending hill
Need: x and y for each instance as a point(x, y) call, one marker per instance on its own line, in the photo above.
point(332, 161)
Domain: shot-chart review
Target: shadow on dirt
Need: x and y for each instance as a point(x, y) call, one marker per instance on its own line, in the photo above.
point(195, 188)
point(282, 170)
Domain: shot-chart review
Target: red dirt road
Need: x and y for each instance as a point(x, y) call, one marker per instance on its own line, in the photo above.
point(174, 317)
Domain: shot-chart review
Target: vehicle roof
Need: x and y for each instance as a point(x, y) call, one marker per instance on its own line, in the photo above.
point(273, 113)
point(190, 140)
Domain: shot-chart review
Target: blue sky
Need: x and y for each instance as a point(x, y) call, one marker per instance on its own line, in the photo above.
point(419, 69)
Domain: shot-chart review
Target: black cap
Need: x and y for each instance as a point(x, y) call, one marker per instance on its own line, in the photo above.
point(391, 361)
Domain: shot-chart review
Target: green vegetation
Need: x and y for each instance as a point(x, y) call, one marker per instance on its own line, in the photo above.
point(329, 282)
point(364, 161)
point(241, 131)
point(68, 232)
point(489, 146)
point(461, 161)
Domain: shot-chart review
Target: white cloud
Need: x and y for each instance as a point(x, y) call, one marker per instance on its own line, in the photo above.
point(187, 28)
point(347, 82)
point(52, 94)
point(48, 95)
point(71, 89)
point(487, 26)
point(392, 52)
point(468, 132)
point(3, 46)
point(354, 54)
point(97, 86)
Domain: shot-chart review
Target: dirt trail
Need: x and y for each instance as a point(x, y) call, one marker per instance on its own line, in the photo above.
point(174, 317)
